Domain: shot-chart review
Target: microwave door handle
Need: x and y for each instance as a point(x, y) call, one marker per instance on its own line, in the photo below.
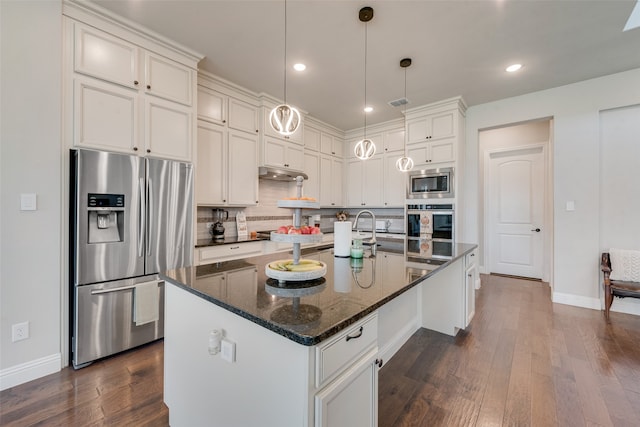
point(141, 217)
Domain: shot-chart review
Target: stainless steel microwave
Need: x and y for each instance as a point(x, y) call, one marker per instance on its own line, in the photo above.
point(430, 183)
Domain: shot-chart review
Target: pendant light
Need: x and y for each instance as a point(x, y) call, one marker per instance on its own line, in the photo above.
point(365, 148)
point(284, 118)
point(405, 163)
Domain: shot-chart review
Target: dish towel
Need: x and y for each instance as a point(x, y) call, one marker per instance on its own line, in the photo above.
point(625, 265)
point(146, 306)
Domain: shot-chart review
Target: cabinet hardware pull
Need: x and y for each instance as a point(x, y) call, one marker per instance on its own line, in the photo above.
point(224, 121)
point(379, 362)
point(135, 148)
point(148, 86)
point(358, 335)
point(148, 150)
point(135, 82)
point(234, 247)
point(473, 254)
point(257, 130)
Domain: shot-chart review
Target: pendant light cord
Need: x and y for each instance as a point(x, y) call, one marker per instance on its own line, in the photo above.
point(405, 111)
point(365, 80)
point(285, 52)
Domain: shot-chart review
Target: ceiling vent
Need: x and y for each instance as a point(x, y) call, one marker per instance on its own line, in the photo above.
point(399, 102)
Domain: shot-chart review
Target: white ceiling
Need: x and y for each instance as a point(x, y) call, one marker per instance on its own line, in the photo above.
point(458, 47)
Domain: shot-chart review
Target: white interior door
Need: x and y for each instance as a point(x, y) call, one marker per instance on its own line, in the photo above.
point(516, 194)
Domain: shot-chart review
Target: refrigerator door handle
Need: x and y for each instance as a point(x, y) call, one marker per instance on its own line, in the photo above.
point(149, 216)
point(107, 291)
point(141, 218)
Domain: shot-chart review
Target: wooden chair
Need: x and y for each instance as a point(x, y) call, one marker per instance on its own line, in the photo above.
point(617, 288)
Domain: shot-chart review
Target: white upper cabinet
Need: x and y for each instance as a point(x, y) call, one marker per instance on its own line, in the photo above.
point(442, 151)
point(101, 55)
point(167, 79)
point(124, 97)
point(211, 165)
point(365, 182)
point(243, 116)
point(212, 105)
point(330, 145)
point(279, 153)
point(395, 182)
point(311, 138)
point(431, 126)
point(376, 138)
point(393, 140)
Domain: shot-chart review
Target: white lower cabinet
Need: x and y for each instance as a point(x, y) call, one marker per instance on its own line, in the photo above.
point(219, 253)
point(352, 399)
point(347, 377)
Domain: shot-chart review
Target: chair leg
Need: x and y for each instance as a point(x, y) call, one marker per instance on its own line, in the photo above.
point(608, 300)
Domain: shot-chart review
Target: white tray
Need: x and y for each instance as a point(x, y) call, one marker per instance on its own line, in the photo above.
point(296, 238)
point(303, 204)
point(295, 276)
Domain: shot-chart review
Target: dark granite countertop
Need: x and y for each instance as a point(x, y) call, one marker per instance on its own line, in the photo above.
point(349, 291)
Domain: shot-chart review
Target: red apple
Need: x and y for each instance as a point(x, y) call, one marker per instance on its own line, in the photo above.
point(305, 229)
point(315, 230)
point(283, 230)
point(294, 231)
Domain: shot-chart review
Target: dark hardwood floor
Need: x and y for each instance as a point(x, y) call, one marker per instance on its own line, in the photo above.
point(523, 362)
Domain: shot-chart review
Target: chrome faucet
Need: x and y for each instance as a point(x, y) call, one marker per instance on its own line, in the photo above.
point(372, 241)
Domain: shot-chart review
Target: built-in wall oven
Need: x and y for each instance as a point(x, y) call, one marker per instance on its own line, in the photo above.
point(430, 230)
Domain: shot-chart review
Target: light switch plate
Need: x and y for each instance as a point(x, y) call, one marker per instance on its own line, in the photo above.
point(571, 205)
point(228, 351)
point(28, 202)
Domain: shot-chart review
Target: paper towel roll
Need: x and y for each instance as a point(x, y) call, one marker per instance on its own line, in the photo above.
point(342, 238)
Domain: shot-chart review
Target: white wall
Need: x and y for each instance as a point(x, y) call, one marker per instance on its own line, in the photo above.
point(576, 162)
point(30, 158)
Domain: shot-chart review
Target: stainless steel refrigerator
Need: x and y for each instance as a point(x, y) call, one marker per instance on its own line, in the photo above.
point(130, 218)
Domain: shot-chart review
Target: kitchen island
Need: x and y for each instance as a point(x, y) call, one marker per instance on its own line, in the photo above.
point(307, 356)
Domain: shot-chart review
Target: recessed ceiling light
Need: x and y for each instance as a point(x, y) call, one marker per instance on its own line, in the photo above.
point(513, 68)
point(368, 109)
point(299, 67)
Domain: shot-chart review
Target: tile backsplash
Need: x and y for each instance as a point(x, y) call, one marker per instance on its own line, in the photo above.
point(268, 216)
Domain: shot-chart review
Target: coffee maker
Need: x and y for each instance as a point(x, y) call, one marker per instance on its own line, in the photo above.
point(217, 229)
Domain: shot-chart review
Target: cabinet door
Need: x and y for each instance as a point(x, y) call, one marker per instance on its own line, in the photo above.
point(101, 55)
point(442, 125)
point(338, 183)
point(417, 130)
point(105, 116)
point(393, 140)
point(243, 169)
point(312, 169)
point(311, 138)
point(212, 106)
point(375, 138)
point(274, 153)
point(419, 153)
point(168, 79)
point(372, 182)
point(295, 157)
point(470, 296)
point(211, 168)
point(326, 144)
point(442, 151)
point(326, 181)
point(243, 116)
point(338, 147)
point(355, 172)
point(168, 130)
point(395, 182)
point(352, 399)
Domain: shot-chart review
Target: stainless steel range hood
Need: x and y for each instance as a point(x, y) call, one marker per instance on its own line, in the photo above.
point(279, 174)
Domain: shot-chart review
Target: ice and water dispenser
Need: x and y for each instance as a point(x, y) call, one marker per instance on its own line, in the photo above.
point(106, 217)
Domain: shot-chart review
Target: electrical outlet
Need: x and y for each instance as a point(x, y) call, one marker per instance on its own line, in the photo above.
point(20, 331)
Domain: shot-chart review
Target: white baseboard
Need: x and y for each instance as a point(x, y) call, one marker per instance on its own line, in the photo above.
point(29, 371)
point(626, 305)
point(398, 340)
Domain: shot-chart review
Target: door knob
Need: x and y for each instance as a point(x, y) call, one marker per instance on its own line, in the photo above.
point(537, 230)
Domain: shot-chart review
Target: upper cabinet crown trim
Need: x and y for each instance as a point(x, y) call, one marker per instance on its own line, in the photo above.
point(105, 20)
point(444, 105)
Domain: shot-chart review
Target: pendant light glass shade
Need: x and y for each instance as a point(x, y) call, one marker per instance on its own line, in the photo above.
point(405, 163)
point(365, 148)
point(285, 119)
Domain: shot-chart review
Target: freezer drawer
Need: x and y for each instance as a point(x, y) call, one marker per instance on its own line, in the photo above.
point(105, 317)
